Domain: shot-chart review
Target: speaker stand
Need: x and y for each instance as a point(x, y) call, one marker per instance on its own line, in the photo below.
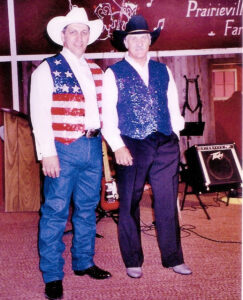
point(231, 193)
point(113, 214)
point(100, 215)
point(199, 199)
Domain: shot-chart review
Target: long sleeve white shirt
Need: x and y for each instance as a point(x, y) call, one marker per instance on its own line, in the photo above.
point(110, 129)
point(41, 102)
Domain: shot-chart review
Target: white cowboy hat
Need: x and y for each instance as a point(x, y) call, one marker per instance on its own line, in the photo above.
point(76, 15)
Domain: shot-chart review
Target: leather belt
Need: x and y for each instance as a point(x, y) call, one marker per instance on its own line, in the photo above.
point(92, 133)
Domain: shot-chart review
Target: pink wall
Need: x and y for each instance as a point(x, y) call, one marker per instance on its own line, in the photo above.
point(228, 121)
point(1, 166)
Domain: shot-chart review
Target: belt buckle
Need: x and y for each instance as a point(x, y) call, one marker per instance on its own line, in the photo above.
point(89, 133)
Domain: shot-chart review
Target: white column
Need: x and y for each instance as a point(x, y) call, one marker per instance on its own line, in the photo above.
point(13, 53)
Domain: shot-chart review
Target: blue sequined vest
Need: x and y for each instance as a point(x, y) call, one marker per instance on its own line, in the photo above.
point(141, 109)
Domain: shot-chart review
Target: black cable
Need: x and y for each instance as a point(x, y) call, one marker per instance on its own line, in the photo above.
point(196, 207)
point(190, 230)
point(186, 228)
point(145, 228)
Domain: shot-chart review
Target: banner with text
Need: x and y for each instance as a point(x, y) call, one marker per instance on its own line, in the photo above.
point(185, 24)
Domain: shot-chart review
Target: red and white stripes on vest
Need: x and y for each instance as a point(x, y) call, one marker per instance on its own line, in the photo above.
point(68, 101)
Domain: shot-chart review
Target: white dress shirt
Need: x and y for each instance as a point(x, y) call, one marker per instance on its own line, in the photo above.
point(41, 102)
point(110, 129)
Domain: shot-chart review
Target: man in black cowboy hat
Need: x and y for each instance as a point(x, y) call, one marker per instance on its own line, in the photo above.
point(141, 123)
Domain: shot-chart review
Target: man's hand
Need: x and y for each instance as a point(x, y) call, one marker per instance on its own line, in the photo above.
point(123, 157)
point(50, 166)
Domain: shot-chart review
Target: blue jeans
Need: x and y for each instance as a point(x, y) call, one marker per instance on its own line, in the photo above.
point(80, 178)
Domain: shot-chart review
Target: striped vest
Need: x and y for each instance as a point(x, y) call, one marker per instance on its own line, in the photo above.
point(68, 101)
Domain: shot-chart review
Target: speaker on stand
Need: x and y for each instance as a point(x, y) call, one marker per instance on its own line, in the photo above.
point(191, 129)
point(211, 168)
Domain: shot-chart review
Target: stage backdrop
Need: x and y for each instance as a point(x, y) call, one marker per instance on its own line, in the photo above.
point(186, 24)
point(4, 39)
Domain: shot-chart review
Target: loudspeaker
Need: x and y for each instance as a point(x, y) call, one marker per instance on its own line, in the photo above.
point(213, 167)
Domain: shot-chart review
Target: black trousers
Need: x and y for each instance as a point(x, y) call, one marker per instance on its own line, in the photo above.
point(155, 158)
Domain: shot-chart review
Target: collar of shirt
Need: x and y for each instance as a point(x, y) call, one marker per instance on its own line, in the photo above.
point(70, 56)
point(142, 70)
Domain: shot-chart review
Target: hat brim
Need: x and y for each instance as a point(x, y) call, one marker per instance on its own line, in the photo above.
point(57, 24)
point(118, 37)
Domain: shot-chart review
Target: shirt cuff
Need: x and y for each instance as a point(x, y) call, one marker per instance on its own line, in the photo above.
point(115, 142)
point(45, 150)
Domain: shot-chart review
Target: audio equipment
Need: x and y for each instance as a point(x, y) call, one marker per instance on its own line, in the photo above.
point(213, 167)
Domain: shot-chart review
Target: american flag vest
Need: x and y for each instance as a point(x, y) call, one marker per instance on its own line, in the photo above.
point(68, 108)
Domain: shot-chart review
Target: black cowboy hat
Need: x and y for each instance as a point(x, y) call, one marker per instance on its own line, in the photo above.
point(136, 25)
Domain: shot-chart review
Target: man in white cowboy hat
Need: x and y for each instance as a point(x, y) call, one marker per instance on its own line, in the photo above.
point(141, 123)
point(65, 112)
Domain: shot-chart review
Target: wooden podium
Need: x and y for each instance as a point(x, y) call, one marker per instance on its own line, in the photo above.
point(21, 169)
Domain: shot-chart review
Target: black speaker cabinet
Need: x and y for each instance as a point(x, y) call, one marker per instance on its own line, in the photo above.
point(213, 167)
